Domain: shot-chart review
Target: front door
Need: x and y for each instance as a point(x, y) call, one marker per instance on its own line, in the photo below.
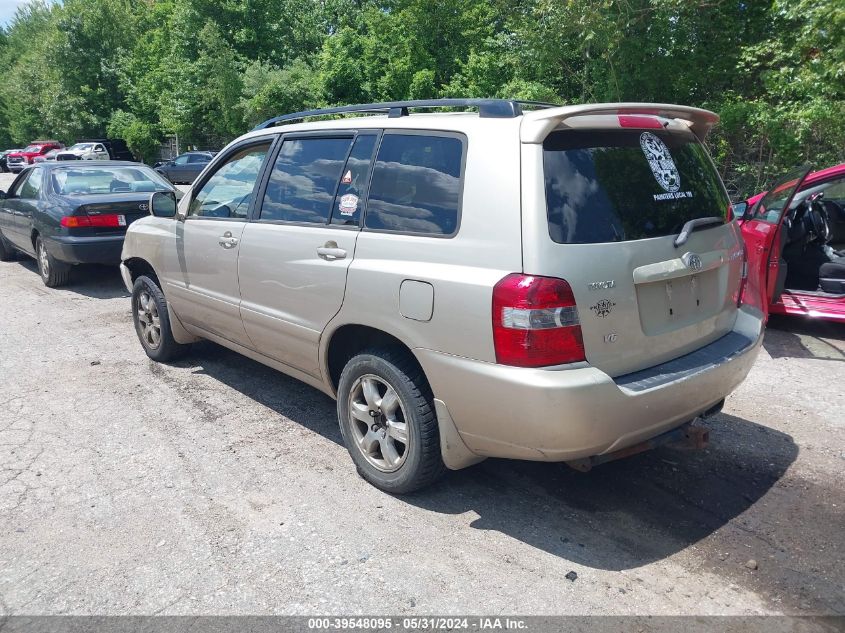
point(764, 240)
point(201, 273)
point(295, 255)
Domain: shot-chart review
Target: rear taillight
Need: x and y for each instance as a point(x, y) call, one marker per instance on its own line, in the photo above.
point(535, 322)
point(743, 280)
point(105, 220)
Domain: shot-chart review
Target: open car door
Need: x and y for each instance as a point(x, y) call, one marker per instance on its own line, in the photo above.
point(762, 230)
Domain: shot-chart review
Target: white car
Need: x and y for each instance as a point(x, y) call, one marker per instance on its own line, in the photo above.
point(84, 151)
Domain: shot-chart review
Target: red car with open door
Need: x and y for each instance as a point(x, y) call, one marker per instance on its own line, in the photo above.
point(795, 242)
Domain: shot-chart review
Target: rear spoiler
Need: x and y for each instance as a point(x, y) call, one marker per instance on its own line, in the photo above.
point(537, 124)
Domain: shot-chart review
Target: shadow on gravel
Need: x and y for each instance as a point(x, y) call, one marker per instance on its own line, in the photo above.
point(90, 280)
point(621, 515)
point(794, 337)
point(627, 513)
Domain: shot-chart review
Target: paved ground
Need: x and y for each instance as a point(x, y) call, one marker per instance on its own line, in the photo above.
point(216, 485)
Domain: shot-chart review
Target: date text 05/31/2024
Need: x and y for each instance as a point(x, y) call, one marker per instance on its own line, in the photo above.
point(418, 623)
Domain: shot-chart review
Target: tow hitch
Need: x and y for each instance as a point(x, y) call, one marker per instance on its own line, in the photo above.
point(689, 435)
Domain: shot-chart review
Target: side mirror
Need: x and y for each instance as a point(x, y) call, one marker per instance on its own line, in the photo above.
point(163, 204)
point(739, 210)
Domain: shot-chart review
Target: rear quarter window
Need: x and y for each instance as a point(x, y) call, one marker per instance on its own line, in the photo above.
point(416, 185)
point(621, 185)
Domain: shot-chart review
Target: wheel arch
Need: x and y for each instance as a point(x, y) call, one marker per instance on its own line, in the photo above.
point(139, 266)
point(349, 339)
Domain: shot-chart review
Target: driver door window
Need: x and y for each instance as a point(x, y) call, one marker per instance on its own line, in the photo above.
point(229, 191)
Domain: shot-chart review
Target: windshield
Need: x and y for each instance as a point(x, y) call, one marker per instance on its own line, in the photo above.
point(33, 148)
point(104, 180)
point(627, 184)
point(83, 146)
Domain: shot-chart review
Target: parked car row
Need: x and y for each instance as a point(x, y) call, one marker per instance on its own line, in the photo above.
point(15, 160)
point(532, 282)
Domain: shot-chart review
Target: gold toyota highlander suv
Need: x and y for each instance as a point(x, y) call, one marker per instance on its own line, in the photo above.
point(512, 280)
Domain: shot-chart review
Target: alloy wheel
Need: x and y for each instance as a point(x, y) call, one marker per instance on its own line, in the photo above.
point(378, 423)
point(43, 260)
point(148, 320)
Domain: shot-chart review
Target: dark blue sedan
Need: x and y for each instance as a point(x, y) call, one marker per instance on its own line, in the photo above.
point(70, 213)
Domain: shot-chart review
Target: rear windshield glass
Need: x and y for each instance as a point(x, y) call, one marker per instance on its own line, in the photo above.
point(620, 185)
point(104, 180)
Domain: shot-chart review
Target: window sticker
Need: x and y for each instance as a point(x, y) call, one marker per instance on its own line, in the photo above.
point(347, 178)
point(348, 204)
point(663, 167)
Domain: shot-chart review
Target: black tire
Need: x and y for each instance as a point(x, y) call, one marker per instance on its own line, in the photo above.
point(53, 272)
point(7, 252)
point(421, 461)
point(148, 300)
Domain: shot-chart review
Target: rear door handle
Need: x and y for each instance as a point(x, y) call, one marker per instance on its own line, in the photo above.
point(227, 241)
point(330, 251)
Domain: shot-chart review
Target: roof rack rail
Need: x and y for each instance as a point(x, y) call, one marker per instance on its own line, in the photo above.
point(487, 108)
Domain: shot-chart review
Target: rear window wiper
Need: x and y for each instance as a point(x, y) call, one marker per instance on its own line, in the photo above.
point(692, 225)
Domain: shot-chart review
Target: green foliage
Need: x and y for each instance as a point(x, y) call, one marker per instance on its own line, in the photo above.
point(208, 70)
point(269, 90)
point(143, 138)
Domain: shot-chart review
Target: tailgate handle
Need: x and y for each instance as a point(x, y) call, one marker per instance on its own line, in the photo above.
point(690, 226)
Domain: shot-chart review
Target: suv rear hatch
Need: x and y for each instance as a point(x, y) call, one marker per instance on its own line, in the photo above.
point(606, 199)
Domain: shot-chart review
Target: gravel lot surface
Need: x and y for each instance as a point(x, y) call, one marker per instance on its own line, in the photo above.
point(216, 485)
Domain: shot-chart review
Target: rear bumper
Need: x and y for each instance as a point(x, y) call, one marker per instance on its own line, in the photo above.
point(574, 413)
point(86, 250)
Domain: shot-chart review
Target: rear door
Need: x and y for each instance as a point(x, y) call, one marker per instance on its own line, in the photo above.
point(201, 272)
point(610, 213)
point(295, 254)
point(765, 238)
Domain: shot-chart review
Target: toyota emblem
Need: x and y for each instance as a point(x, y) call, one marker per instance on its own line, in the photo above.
point(692, 261)
point(143, 206)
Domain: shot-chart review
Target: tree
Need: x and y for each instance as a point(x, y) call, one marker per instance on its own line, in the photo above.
point(143, 139)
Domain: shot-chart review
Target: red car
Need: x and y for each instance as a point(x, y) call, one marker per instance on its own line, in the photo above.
point(17, 161)
point(795, 243)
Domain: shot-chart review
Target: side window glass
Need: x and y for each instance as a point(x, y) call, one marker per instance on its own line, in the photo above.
point(181, 160)
point(304, 179)
point(352, 192)
point(197, 158)
point(836, 191)
point(99, 148)
point(229, 191)
point(416, 185)
point(32, 186)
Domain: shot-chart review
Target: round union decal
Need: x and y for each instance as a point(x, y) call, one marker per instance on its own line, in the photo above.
point(660, 161)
